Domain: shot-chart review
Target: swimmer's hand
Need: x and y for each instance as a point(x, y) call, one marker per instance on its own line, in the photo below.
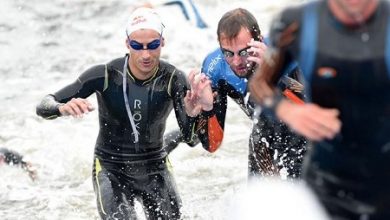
point(76, 107)
point(30, 169)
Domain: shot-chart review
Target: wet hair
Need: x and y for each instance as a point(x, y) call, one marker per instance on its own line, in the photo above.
point(232, 21)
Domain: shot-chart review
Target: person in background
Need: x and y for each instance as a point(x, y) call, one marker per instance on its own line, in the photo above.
point(135, 94)
point(13, 158)
point(272, 146)
point(188, 8)
point(342, 47)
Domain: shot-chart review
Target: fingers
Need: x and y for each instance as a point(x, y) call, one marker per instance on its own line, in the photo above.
point(310, 120)
point(192, 75)
point(256, 51)
point(326, 122)
point(30, 169)
point(76, 107)
point(198, 81)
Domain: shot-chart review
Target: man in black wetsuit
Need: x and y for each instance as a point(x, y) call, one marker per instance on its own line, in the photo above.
point(135, 95)
point(15, 159)
point(343, 49)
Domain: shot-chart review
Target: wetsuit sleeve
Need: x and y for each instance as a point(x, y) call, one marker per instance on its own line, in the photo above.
point(179, 86)
point(173, 138)
point(283, 35)
point(211, 124)
point(90, 81)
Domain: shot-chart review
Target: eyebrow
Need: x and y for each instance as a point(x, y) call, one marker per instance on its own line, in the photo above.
point(145, 43)
point(246, 48)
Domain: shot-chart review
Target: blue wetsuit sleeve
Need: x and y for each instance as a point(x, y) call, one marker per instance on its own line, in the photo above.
point(210, 124)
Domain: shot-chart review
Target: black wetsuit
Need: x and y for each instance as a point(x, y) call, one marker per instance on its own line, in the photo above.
point(348, 69)
point(125, 169)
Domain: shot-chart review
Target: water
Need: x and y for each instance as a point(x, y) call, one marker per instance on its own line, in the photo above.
point(46, 44)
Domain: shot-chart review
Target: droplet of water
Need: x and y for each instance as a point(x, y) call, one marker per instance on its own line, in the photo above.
point(365, 37)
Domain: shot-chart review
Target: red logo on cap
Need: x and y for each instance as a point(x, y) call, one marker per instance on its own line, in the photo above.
point(138, 19)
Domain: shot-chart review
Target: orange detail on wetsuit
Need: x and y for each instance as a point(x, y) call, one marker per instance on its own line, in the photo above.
point(291, 96)
point(215, 134)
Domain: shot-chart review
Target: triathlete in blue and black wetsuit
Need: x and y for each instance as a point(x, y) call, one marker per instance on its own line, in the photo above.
point(229, 74)
point(343, 49)
point(135, 93)
point(272, 145)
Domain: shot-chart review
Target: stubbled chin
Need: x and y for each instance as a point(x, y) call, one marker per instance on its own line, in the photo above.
point(241, 71)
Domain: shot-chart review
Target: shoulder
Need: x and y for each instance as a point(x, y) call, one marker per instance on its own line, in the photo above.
point(170, 72)
point(174, 79)
point(168, 68)
point(101, 71)
point(116, 63)
point(213, 63)
point(284, 19)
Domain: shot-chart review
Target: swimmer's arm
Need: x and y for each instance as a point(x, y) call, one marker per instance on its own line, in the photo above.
point(71, 100)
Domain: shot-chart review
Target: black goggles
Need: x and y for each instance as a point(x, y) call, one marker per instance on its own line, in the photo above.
point(149, 46)
point(241, 53)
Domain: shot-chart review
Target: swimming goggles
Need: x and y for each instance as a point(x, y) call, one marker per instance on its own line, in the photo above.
point(149, 46)
point(241, 53)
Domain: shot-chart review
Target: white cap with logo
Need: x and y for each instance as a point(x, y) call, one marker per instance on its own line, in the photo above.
point(144, 18)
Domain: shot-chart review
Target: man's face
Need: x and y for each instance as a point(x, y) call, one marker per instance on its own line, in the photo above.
point(145, 49)
point(235, 52)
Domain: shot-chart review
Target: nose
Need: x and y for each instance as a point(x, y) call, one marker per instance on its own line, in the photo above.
point(236, 60)
point(145, 54)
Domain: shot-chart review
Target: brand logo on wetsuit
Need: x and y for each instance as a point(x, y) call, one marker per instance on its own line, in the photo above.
point(327, 72)
point(137, 112)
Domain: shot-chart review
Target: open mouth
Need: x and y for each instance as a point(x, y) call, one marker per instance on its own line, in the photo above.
point(147, 63)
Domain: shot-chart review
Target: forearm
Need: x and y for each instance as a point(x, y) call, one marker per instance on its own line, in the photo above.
point(48, 108)
point(210, 126)
point(173, 138)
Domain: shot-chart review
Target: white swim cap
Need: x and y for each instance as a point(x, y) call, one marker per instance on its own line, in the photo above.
point(144, 18)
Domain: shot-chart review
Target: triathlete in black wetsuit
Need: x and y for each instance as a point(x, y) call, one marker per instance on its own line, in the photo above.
point(343, 50)
point(130, 162)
